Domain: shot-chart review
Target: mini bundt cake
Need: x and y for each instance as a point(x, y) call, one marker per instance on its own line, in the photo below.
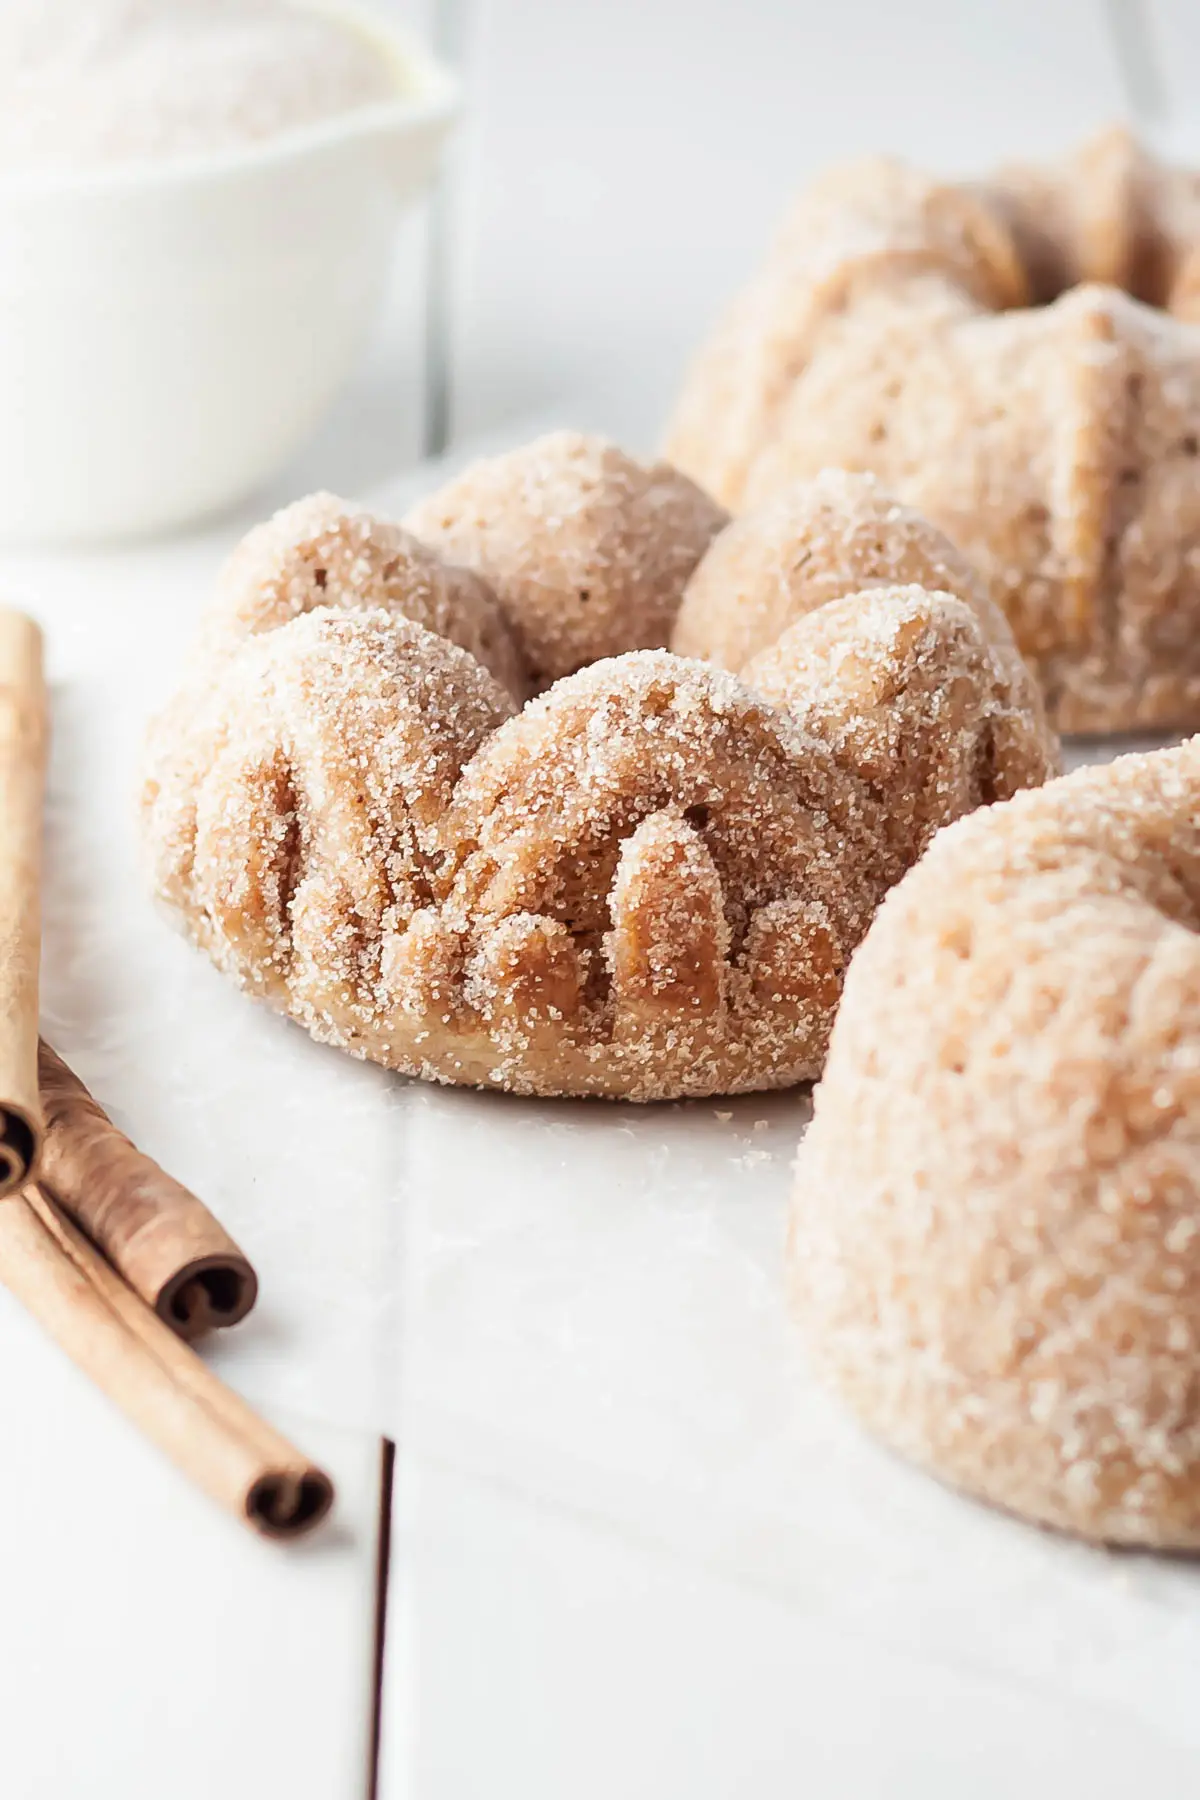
point(1019, 359)
point(586, 550)
point(995, 1237)
point(648, 880)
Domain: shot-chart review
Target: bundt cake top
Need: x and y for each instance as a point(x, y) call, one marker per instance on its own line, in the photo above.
point(587, 551)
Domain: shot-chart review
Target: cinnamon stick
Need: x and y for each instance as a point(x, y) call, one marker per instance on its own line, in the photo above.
point(154, 1231)
point(23, 741)
point(162, 1386)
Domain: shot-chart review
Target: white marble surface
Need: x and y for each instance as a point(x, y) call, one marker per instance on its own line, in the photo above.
point(559, 1659)
point(601, 1369)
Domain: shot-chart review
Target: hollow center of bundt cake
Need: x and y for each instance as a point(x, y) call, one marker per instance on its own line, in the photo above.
point(1148, 277)
point(1110, 213)
point(1133, 253)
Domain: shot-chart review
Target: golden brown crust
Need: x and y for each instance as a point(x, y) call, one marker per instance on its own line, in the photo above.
point(644, 884)
point(1056, 444)
point(995, 1238)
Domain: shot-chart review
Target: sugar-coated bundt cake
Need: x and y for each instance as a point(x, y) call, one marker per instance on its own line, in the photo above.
point(1020, 359)
point(995, 1237)
point(645, 883)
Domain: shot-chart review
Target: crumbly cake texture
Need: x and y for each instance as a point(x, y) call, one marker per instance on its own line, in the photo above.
point(644, 883)
point(995, 1238)
point(1018, 359)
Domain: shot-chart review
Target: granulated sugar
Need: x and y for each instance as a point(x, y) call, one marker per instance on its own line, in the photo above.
point(87, 82)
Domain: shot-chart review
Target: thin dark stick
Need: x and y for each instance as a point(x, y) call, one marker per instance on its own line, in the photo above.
point(383, 1567)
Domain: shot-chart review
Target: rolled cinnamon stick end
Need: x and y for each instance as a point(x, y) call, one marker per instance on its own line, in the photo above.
point(153, 1230)
point(24, 736)
point(208, 1431)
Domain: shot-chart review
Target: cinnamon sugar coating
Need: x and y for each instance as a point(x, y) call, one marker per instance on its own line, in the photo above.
point(587, 550)
point(646, 883)
point(995, 1237)
point(292, 808)
point(814, 542)
point(1019, 360)
point(321, 551)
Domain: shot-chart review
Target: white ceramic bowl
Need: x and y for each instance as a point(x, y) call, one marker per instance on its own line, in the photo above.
point(170, 334)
